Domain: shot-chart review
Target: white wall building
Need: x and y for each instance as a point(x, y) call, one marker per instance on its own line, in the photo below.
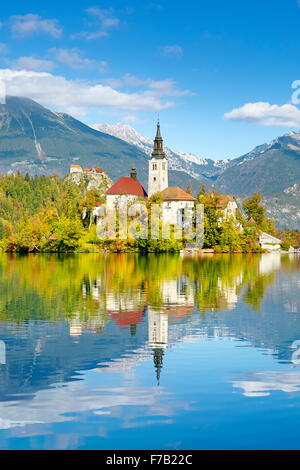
point(178, 292)
point(158, 324)
point(177, 206)
point(125, 191)
point(269, 242)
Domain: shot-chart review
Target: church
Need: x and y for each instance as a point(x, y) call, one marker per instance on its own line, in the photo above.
point(174, 199)
point(175, 202)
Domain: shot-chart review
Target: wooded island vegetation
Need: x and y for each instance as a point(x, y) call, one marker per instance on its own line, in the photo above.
point(45, 214)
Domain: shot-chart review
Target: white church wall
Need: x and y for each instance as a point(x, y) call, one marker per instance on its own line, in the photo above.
point(157, 175)
point(171, 211)
point(114, 201)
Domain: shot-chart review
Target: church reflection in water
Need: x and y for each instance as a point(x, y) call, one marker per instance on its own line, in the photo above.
point(80, 312)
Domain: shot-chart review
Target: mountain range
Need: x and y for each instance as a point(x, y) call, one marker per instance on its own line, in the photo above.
point(272, 169)
point(36, 140)
point(200, 169)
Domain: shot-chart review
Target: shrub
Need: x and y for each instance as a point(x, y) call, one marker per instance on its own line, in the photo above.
point(285, 246)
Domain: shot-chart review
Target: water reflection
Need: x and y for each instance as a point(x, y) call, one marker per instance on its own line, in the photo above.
point(263, 383)
point(92, 334)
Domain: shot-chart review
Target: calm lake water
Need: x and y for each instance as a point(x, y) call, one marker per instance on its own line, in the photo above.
point(150, 352)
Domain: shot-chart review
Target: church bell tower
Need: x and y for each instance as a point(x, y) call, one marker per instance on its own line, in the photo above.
point(158, 166)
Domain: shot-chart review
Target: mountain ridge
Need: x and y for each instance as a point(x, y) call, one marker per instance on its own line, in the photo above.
point(189, 163)
point(38, 141)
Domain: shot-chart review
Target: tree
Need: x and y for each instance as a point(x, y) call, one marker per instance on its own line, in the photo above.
point(255, 211)
point(66, 235)
point(230, 237)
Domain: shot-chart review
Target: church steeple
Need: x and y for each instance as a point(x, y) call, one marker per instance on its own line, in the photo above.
point(158, 151)
point(158, 166)
point(158, 355)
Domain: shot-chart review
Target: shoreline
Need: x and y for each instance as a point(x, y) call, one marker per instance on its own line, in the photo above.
point(186, 251)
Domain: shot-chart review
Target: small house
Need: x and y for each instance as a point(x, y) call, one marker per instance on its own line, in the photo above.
point(269, 242)
point(176, 203)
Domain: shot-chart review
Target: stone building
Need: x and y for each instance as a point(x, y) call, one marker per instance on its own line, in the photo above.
point(94, 177)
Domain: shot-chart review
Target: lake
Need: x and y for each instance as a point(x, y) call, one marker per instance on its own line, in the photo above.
point(124, 351)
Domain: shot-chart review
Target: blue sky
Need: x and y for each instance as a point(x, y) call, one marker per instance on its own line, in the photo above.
point(218, 73)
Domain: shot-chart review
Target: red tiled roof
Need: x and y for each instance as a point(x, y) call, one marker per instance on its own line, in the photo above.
point(133, 317)
point(75, 166)
point(223, 200)
point(100, 170)
point(179, 311)
point(126, 185)
point(174, 193)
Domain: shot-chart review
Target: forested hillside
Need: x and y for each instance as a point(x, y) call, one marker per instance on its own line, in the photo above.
point(42, 212)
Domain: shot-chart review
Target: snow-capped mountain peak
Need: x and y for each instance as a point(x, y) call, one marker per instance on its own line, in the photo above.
point(124, 132)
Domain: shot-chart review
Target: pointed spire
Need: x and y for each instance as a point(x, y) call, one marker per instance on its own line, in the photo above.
point(158, 355)
point(158, 151)
point(158, 134)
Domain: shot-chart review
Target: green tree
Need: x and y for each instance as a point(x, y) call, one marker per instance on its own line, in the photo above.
point(66, 235)
point(254, 209)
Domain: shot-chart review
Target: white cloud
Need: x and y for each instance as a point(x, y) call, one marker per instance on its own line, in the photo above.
point(126, 81)
point(89, 36)
point(166, 87)
point(263, 383)
point(30, 24)
point(106, 17)
point(156, 88)
point(31, 63)
point(3, 48)
point(66, 400)
point(266, 114)
point(75, 59)
point(103, 19)
point(103, 66)
point(110, 22)
point(129, 118)
point(172, 51)
point(75, 96)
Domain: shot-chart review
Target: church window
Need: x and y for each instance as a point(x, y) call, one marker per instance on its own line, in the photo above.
point(163, 166)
